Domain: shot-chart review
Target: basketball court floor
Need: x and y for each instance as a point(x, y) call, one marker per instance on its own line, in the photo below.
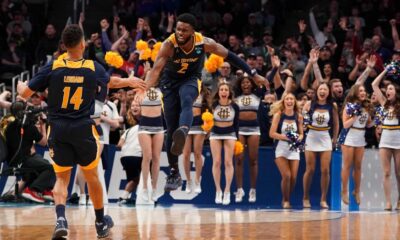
point(28, 221)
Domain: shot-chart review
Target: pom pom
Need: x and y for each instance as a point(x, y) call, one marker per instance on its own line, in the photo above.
point(213, 63)
point(238, 147)
point(207, 116)
point(154, 54)
point(157, 46)
point(353, 109)
point(208, 121)
point(114, 59)
point(145, 54)
point(207, 127)
point(393, 71)
point(295, 143)
point(380, 115)
point(63, 56)
point(141, 45)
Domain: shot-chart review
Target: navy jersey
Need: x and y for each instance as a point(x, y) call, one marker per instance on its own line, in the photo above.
point(73, 86)
point(183, 64)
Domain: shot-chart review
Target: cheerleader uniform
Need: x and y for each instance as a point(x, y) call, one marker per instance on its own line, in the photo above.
point(197, 121)
point(355, 135)
point(390, 137)
point(318, 138)
point(282, 148)
point(248, 103)
point(151, 125)
point(225, 113)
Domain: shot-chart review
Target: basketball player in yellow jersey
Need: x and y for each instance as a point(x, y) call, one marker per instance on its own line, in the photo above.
point(181, 58)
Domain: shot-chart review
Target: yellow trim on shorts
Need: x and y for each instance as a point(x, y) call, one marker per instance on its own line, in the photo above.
point(395, 127)
point(98, 154)
point(319, 128)
point(60, 169)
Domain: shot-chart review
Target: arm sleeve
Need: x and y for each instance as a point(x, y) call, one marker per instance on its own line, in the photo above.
point(106, 41)
point(102, 79)
point(41, 80)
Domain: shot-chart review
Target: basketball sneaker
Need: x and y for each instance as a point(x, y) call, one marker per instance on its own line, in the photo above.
point(103, 228)
point(61, 229)
point(178, 140)
point(174, 181)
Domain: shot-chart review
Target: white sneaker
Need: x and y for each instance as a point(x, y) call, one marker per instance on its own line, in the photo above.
point(218, 197)
point(82, 199)
point(145, 195)
point(189, 186)
point(227, 198)
point(239, 195)
point(154, 196)
point(252, 195)
point(197, 187)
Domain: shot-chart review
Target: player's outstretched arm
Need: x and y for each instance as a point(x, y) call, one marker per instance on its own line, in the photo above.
point(132, 81)
point(23, 90)
point(213, 47)
point(153, 77)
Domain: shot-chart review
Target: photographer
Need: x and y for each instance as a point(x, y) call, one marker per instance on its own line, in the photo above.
point(37, 173)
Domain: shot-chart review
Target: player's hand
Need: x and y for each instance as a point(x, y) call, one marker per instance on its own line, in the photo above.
point(260, 80)
point(135, 82)
point(139, 95)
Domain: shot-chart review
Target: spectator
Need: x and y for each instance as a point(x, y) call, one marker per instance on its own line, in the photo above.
point(47, 45)
point(12, 59)
point(18, 18)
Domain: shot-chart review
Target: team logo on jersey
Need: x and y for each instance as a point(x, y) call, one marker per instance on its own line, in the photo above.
point(224, 113)
point(363, 119)
point(390, 115)
point(289, 128)
point(152, 94)
point(320, 119)
point(246, 101)
point(198, 50)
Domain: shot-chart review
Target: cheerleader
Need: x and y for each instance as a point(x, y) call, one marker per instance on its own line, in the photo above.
point(223, 137)
point(352, 138)
point(196, 138)
point(286, 118)
point(151, 138)
point(249, 134)
point(131, 153)
point(389, 145)
point(323, 114)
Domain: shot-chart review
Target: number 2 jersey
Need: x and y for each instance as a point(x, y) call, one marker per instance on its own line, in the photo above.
point(183, 65)
point(72, 85)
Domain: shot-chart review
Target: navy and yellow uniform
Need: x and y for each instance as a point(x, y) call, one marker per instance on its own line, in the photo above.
point(73, 87)
point(185, 66)
point(180, 85)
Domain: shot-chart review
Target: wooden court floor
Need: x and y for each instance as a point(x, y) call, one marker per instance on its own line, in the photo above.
point(29, 222)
